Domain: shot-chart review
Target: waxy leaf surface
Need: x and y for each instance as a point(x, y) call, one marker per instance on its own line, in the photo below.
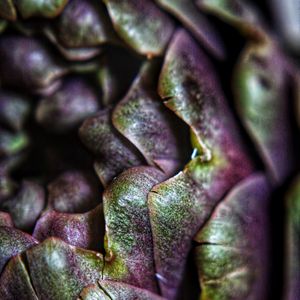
point(180, 206)
point(141, 24)
point(142, 119)
point(15, 282)
point(261, 96)
point(233, 252)
point(114, 153)
point(80, 230)
point(59, 271)
point(128, 239)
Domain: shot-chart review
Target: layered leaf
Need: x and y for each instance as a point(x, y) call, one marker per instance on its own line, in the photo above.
point(142, 119)
point(73, 192)
point(32, 66)
point(59, 271)
point(72, 54)
point(179, 206)
point(120, 290)
point(261, 96)
point(188, 13)
point(15, 282)
point(83, 24)
point(80, 230)
point(14, 109)
point(128, 238)
point(233, 252)
point(13, 242)
point(41, 8)
point(292, 244)
point(26, 206)
point(73, 102)
point(237, 13)
point(114, 153)
point(141, 24)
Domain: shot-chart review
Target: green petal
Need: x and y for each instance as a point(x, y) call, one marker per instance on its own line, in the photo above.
point(59, 271)
point(15, 282)
point(261, 96)
point(12, 143)
point(189, 85)
point(128, 239)
point(238, 14)
point(40, 8)
point(13, 242)
point(141, 24)
point(232, 256)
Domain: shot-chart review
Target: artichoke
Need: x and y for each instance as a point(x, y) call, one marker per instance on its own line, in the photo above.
point(146, 148)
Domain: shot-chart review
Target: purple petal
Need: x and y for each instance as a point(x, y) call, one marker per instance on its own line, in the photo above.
point(13, 242)
point(73, 192)
point(142, 118)
point(233, 252)
point(80, 230)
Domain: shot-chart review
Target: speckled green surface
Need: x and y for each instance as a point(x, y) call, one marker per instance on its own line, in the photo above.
point(128, 244)
point(180, 206)
point(142, 25)
point(15, 282)
point(41, 8)
point(232, 256)
point(13, 242)
point(60, 271)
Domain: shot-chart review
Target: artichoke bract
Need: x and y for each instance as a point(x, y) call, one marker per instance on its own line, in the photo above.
point(146, 148)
